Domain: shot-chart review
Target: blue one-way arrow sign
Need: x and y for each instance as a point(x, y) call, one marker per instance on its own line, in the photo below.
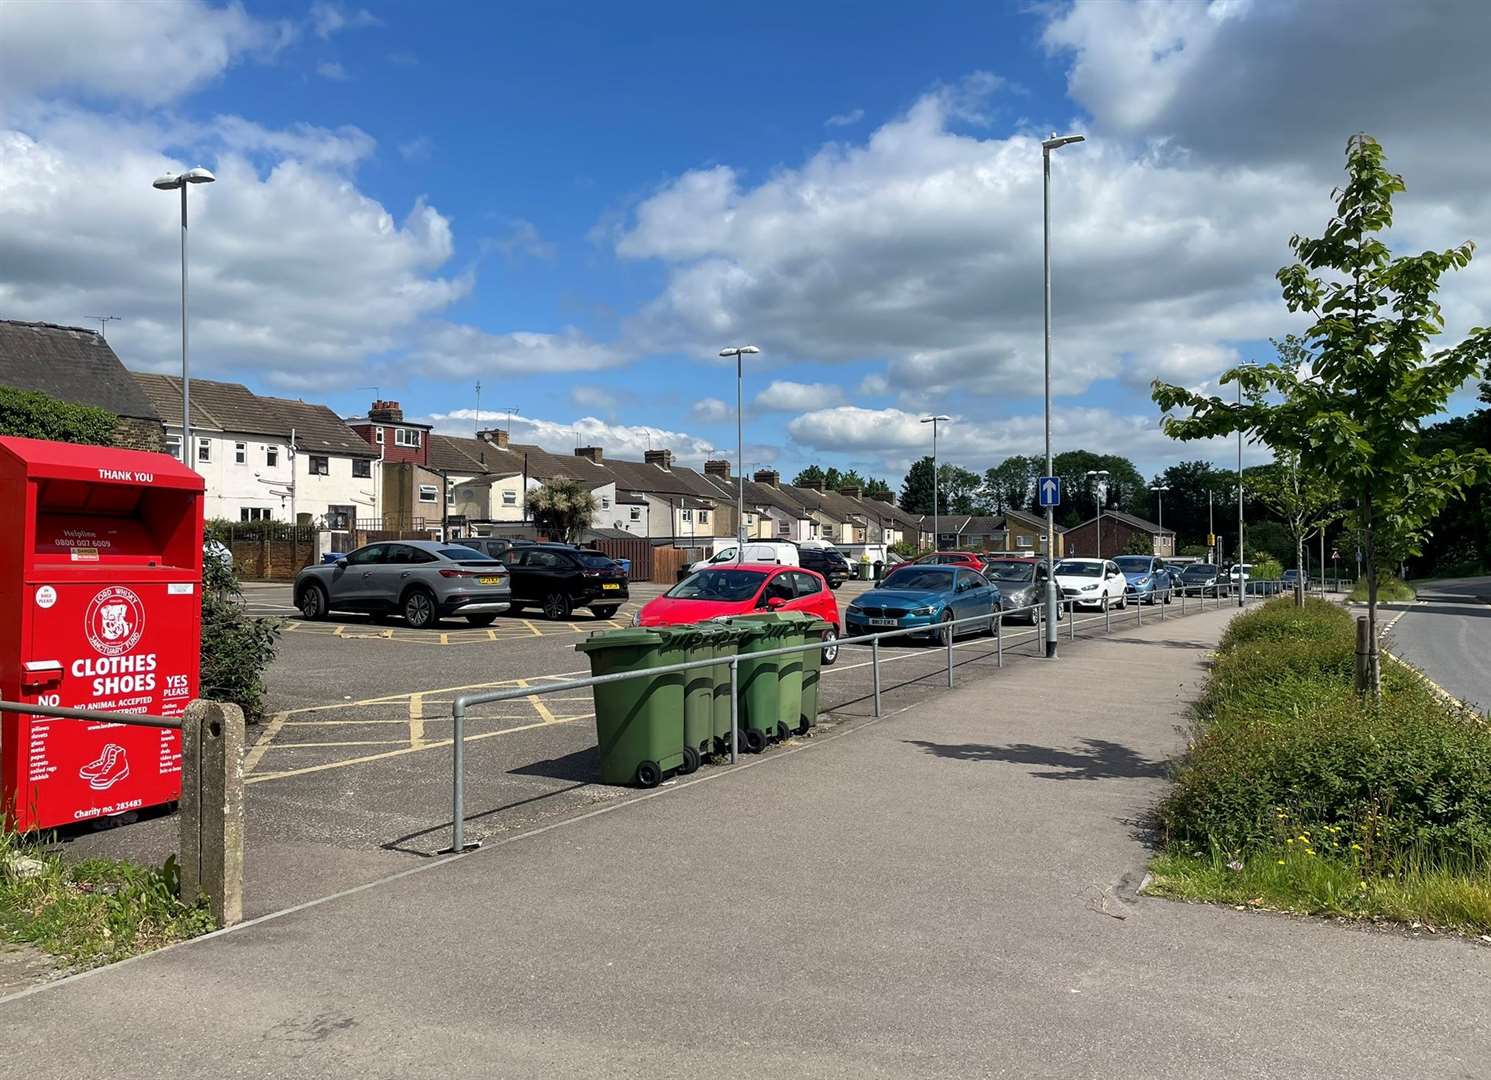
point(1049, 488)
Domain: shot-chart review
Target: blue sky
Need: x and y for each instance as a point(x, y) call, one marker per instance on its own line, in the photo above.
point(579, 204)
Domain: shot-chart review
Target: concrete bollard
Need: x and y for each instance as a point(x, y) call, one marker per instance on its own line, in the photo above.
point(212, 808)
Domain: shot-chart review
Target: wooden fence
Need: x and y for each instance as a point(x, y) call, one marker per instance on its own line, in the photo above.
point(649, 562)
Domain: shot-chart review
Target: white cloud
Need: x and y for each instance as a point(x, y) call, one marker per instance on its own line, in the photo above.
point(845, 119)
point(453, 350)
point(626, 441)
point(332, 70)
point(295, 273)
point(417, 149)
point(150, 53)
point(711, 410)
point(521, 239)
point(786, 396)
point(874, 386)
point(593, 397)
point(892, 439)
point(327, 19)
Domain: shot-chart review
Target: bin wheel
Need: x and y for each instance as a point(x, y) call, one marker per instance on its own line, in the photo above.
point(804, 723)
point(605, 612)
point(481, 620)
point(648, 774)
point(755, 741)
point(783, 731)
point(313, 604)
point(691, 761)
point(721, 746)
point(830, 646)
point(556, 606)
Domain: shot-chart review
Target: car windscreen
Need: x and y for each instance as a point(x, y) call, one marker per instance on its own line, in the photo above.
point(729, 586)
point(1079, 569)
point(1133, 564)
point(1009, 571)
point(465, 554)
point(596, 561)
point(919, 579)
point(1200, 570)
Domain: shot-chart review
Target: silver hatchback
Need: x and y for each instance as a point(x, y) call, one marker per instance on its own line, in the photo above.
point(422, 580)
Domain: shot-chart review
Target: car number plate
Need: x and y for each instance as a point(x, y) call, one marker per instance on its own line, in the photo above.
point(882, 622)
point(489, 581)
point(610, 585)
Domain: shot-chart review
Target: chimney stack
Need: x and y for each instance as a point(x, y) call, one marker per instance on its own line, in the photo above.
point(769, 477)
point(663, 459)
point(387, 411)
point(496, 436)
point(852, 492)
point(811, 485)
point(717, 467)
point(591, 453)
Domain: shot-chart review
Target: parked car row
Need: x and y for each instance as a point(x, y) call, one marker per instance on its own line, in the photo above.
point(818, 557)
point(428, 580)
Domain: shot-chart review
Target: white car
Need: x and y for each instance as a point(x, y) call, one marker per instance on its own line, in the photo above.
point(771, 552)
point(1085, 582)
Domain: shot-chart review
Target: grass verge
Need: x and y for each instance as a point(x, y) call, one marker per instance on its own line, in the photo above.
point(1389, 591)
point(92, 912)
point(1296, 794)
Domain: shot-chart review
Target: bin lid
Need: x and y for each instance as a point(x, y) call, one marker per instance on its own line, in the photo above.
point(630, 638)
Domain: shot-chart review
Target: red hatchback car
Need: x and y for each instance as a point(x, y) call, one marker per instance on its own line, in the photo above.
point(966, 559)
point(742, 589)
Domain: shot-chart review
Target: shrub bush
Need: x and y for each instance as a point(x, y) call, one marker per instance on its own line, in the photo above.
point(236, 647)
point(1284, 752)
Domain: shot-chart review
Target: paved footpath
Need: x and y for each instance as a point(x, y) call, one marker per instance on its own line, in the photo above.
point(948, 892)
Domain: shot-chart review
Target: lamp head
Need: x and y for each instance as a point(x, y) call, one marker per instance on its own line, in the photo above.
point(740, 350)
point(1056, 142)
point(936, 419)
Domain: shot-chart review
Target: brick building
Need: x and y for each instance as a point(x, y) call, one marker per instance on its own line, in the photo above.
point(1121, 534)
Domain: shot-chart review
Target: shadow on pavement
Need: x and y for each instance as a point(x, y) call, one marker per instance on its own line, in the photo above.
point(1167, 643)
point(1096, 759)
point(579, 765)
point(1444, 605)
point(400, 843)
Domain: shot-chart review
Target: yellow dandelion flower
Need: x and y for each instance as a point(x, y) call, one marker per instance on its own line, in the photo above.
point(1289, 840)
point(1281, 862)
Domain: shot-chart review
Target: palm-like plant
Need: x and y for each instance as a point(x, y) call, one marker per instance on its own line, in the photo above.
point(563, 507)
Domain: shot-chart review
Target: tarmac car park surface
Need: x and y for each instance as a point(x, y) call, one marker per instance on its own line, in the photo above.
point(349, 772)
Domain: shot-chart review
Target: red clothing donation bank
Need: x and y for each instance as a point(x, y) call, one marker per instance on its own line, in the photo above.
point(100, 608)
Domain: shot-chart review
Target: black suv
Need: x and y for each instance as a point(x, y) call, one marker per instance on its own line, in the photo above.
point(826, 561)
point(560, 578)
point(494, 547)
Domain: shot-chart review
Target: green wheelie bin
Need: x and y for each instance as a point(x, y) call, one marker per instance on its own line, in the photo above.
point(812, 667)
point(790, 631)
point(696, 643)
point(638, 722)
point(760, 708)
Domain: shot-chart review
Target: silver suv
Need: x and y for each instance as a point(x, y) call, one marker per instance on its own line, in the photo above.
point(422, 580)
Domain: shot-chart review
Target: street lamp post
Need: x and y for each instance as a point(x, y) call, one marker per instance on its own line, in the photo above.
point(934, 421)
point(738, 351)
point(1159, 490)
point(170, 182)
point(1102, 486)
point(1055, 142)
point(1242, 584)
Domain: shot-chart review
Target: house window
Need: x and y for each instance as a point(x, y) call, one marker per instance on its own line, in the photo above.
point(272, 456)
point(362, 468)
point(253, 513)
point(320, 465)
point(173, 445)
point(450, 494)
point(204, 449)
point(240, 453)
point(688, 515)
point(428, 493)
point(509, 498)
point(636, 513)
point(1021, 540)
point(406, 437)
point(783, 529)
point(605, 502)
point(378, 433)
point(703, 517)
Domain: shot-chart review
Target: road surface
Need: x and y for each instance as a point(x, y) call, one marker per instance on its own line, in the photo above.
point(1447, 636)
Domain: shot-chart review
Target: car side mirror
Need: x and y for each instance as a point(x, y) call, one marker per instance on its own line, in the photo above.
point(774, 602)
point(341, 564)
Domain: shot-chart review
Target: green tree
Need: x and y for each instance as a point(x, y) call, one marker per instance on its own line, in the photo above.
point(1357, 412)
point(34, 415)
point(1010, 485)
point(1304, 499)
point(1195, 489)
point(813, 474)
point(916, 488)
point(875, 488)
point(1138, 544)
point(958, 490)
point(1126, 489)
point(563, 507)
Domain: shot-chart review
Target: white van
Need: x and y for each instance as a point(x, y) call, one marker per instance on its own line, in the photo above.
point(771, 552)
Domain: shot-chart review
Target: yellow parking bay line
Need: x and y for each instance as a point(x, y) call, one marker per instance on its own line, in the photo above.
point(416, 719)
point(271, 729)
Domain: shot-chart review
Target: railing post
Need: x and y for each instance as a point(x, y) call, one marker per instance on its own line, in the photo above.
point(1164, 603)
point(734, 708)
point(999, 638)
point(458, 842)
point(211, 808)
point(1071, 621)
point(950, 636)
point(875, 670)
point(1138, 612)
point(1107, 616)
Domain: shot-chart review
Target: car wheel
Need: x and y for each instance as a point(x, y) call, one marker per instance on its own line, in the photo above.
point(1123, 602)
point(312, 602)
point(419, 609)
point(556, 607)
point(606, 611)
point(481, 620)
point(830, 646)
point(946, 634)
point(994, 621)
